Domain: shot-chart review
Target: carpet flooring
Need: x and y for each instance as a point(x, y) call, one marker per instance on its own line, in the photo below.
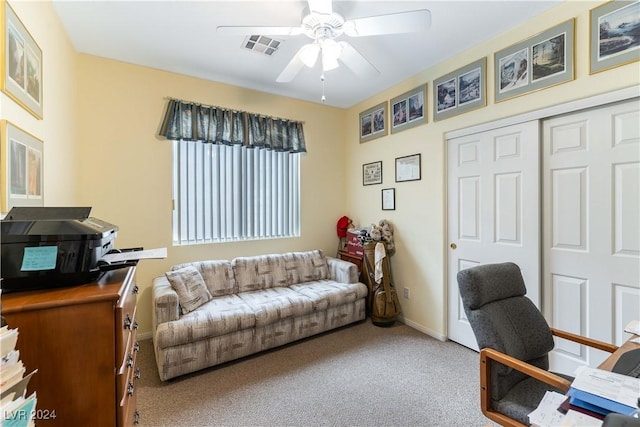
point(358, 375)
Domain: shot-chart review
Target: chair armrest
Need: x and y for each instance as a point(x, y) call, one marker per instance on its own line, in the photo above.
point(488, 354)
point(165, 302)
point(600, 345)
point(342, 271)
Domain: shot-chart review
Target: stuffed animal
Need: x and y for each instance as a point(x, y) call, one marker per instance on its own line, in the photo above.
point(383, 231)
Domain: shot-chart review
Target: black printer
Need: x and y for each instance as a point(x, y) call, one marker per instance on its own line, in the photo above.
point(48, 247)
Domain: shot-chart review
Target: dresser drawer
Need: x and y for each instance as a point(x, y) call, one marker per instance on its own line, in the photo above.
point(128, 338)
point(127, 362)
point(125, 320)
point(127, 393)
point(128, 414)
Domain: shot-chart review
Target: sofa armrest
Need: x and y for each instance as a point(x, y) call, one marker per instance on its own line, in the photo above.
point(165, 302)
point(342, 271)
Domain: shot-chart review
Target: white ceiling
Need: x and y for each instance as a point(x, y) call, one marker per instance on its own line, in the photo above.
point(180, 36)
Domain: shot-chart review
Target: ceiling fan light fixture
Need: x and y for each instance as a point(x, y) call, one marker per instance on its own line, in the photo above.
point(309, 54)
point(330, 53)
point(329, 63)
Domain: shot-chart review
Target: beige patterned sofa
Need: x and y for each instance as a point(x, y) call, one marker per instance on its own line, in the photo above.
point(250, 304)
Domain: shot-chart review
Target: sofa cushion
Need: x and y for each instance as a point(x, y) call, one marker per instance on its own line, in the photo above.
point(304, 267)
point(259, 272)
point(190, 287)
point(274, 304)
point(217, 275)
point(327, 293)
point(220, 316)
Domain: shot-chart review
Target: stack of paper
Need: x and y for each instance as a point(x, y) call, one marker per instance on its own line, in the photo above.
point(15, 408)
point(547, 414)
point(603, 391)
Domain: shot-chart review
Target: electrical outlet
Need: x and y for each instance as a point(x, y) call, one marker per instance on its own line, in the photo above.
point(406, 293)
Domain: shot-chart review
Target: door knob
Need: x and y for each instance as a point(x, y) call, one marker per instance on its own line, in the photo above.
point(454, 246)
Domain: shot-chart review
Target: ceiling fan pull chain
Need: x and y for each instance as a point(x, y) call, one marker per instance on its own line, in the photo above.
point(324, 98)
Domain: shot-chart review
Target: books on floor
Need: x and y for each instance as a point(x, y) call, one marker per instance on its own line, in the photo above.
point(16, 408)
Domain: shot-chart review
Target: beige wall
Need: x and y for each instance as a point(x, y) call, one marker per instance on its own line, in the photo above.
point(126, 168)
point(101, 149)
point(420, 217)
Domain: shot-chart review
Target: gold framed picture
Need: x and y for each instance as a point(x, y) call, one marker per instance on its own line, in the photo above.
point(373, 122)
point(21, 77)
point(613, 35)
point(459, 91)
point(21, 166)
point(544, 60)
point(409, 109)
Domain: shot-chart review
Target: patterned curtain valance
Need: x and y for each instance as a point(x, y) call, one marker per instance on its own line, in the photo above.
point(186, 121)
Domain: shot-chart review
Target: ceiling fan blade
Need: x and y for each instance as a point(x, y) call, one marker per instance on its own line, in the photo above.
point(356, 62)
point(320, 6)
point(264, 31)
point(295, 65)
point(394, 23)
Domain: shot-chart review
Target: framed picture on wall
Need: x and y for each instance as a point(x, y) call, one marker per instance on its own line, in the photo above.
point(372, 173)
point(21, 163)
point(21, 77)
point(460, 91)
point(544, 60)
point(373, 122)
point(409, 110)
point(388, 199)
point(408, 168)
point(614, 39)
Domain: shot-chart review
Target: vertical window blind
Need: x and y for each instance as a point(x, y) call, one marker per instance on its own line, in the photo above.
point(244, 187)
point(225, 193)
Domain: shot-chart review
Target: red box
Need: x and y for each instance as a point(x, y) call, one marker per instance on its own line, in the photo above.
point(354, 246)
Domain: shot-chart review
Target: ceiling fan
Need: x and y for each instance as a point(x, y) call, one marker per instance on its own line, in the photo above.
point(324, 26)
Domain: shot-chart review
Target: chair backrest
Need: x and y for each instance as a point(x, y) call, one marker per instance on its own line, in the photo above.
point(504, 319)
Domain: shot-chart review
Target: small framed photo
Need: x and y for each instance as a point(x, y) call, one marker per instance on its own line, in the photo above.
point(372, 173)
point(373, 122)
point(461, 90)
point(388, 199)
point(408, 168)
point(614, 37)
point(544, 60)
point(21, 77)
point(409, 110)
point(21, 162)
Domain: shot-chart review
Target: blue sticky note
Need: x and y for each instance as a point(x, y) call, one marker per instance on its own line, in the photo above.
point(39, 258)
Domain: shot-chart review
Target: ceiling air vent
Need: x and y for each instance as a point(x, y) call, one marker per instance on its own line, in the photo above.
point(262, 44)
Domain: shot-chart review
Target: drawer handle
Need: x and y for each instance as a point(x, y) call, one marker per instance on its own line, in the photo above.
point(137, 373)
point(130, 389)
point(129, 361)
point(136, 417)
point(136, 346)
point(127, 322)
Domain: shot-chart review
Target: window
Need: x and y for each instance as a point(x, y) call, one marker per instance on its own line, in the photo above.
point(236, 175)
point(227, 193)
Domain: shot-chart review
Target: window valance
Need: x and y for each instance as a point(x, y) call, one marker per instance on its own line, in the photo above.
point(187, 121)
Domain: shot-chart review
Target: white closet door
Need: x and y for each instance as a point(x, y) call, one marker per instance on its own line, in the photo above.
point(591, 232)
point(493, 210)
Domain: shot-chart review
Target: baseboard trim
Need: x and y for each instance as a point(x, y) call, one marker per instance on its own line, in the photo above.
point(422, 329)
point(144, 336)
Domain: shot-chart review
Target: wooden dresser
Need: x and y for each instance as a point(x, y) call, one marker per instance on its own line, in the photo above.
point(82, 341)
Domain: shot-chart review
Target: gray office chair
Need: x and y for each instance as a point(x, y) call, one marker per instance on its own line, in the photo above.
point(514, 341)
